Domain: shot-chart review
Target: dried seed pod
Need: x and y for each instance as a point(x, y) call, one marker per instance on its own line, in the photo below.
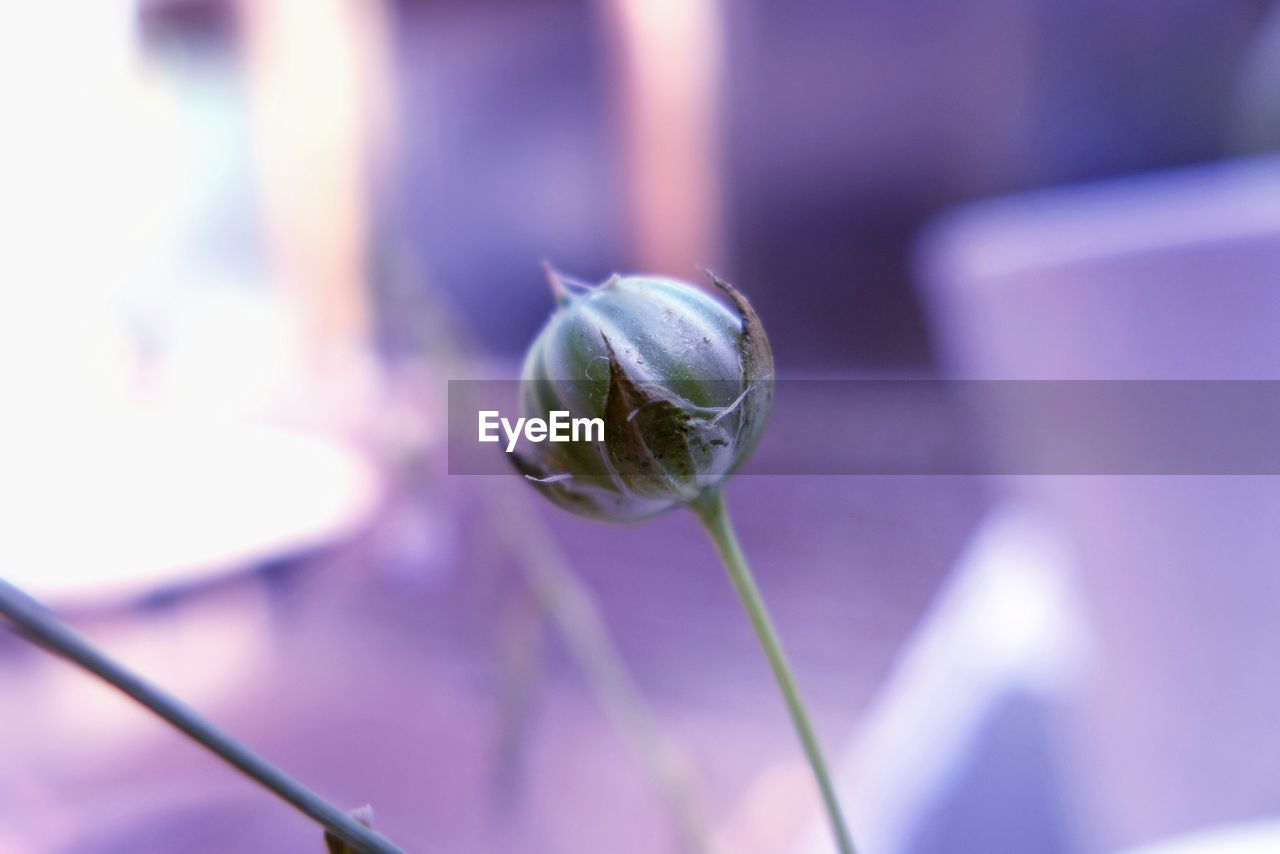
point(682, 382)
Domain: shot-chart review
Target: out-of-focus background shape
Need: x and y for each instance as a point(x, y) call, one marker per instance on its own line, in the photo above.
point(245, 244)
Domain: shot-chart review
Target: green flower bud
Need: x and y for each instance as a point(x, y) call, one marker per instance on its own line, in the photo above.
point(683, 384)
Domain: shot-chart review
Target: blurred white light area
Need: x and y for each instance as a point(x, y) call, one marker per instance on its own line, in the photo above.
point(141, 354)
point(61, 260)
point(129, 503)
point(1260, 837)
point(127, 210)
point(1008, 621)
point(228, 353)
point(72, 205)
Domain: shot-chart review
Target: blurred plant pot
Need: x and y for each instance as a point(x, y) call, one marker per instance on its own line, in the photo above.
point(1165, 277)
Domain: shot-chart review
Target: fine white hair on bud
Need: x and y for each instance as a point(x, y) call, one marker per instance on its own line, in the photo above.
point(683, 382)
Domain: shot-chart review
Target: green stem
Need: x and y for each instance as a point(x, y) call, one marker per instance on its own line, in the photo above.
point(714, 514)
point(39, 625)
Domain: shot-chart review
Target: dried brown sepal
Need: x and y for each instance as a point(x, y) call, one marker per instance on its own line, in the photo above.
point(336, 845)
point(646, 435)
point(757, 355)
point(757, 364)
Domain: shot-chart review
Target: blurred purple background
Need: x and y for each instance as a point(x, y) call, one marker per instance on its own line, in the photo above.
point(247, 244)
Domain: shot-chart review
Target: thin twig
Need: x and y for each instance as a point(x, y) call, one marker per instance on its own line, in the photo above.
point(38, 624)
point(577, 617)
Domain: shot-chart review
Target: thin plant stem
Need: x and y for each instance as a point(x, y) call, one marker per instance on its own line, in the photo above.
point(39, 625)
point(714, 514)
point(577, 617)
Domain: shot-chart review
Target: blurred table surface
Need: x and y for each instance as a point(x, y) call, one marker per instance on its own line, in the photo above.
point(376, 675)
point(110, 506)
